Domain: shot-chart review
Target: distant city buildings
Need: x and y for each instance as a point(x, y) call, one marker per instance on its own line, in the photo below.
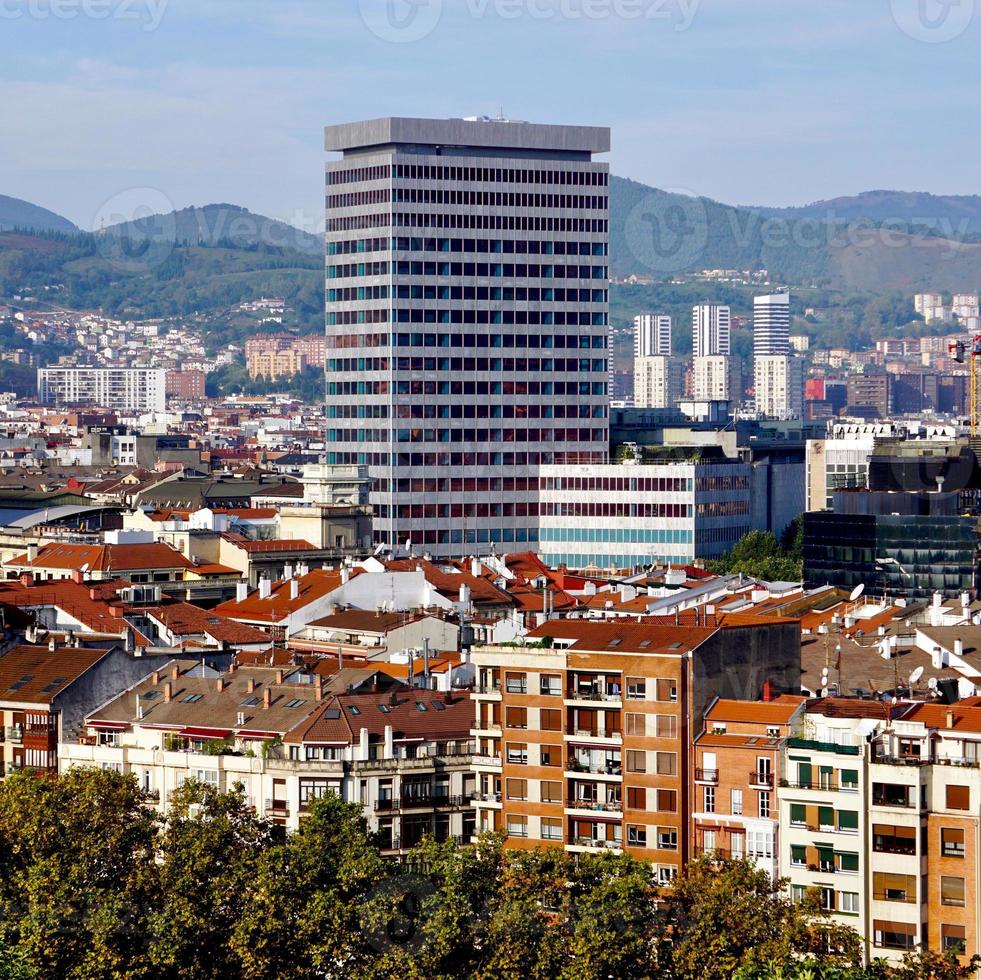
point(771, 325)
point(779, 385)
point(658, 381)
point(717, 377)
point(119, 389)
point(275, 356)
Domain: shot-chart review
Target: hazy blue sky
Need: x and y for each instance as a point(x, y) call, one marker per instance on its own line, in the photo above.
point(746, 101)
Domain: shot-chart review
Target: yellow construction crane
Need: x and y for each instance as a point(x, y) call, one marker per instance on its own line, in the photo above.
point(958, 351)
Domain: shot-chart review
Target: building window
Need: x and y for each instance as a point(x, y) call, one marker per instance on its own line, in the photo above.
point(550, 685)
point(848, 902)
point(666, 873)
point(637, 836)
point(667, 763)
point(550, 720)
point(798, 893)
point(667, 839)
point(517, 825)
point(847, 862)
point(764, 803)
point(958, 798)
point(516, 683)
point(798, 814)
point(551, 755)
point(551, 791)
point(848, 821)
point(636, 760)
point(737, 802)
point(517, 754)
point(517, 789)
point(951, 890)
point(636, 688)
point(708, 799)
point(798, 855)
point(636, 798)
point(667, 690)
point(667, 801)
point(516, 717)
point(667, 726)
point(952, 842)
point(953, 938)
point(551, 828)
point(636, 724)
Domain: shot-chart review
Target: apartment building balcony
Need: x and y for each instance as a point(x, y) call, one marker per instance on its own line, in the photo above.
point(277, 808)
point(600, 736)
point(819, 785)
point(761, 780)
point(707, 776)
point(815, 746)
point(604, 771)
point(585, 808)
point(491, 800)
point(590, 845)
point(487, 692)
point(593, 698)
point(14, 733)
point(481, 761)
point(485, 728)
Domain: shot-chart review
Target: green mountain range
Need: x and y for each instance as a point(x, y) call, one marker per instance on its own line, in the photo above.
point(15, 213)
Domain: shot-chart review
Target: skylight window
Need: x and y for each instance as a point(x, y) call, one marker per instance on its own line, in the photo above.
point(294, 702)
point(421, 706)
point(439, 706)
point(250, 702)
point(333, 714)
point(384, 709)
point(151, 695)
point(192, 698)
point(354, 709)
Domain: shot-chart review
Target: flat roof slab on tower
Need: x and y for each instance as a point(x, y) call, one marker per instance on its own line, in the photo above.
point(490, 134)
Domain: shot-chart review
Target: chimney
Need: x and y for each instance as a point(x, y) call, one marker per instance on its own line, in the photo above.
point(303, 569)
point(26, 578)
point(250, 686)
point(77, 576)
point(318, 689)
point(345, 575)
point(958, 647)
point(241, 591)
point(768, 690)
point(266, 698)
point(220, 684)
point(93, 594)
point(51, 644)
point(168, 692)
point(950, 718)
point(265, 587)
point(240, 719)
point(175, 671)
point(294, 589)
point(475, 567)
point(32, 552)
point(232, 667)
point(280, 676)
point(287, 572)
point(155, 678)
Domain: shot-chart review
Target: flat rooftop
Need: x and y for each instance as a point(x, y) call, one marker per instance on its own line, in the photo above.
point(489, 134)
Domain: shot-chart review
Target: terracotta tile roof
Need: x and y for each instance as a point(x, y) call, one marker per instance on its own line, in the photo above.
point(958, 717)
point(483, 592)
point(619, 636)
point(335, 721)
point(763, 712)
point(119, 558)
point(185, 619)
point(31, 674)
point(856, 708)
point(274, 609)
point(365, 621)
point(252, 547)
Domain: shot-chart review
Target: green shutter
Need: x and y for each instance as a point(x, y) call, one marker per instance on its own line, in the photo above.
point(848, 819)
point(798, 813)
point(798, 854)
point(826, 816)
point(847, 861)
point(849, 777)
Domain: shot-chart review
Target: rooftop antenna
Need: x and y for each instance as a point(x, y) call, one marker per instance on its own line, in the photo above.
point(500, 114)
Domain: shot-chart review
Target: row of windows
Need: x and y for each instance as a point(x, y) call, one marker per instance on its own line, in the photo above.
point(474, 198)
point(470, 459)
point(616, 508)
point(356, 199)
point(381, 171)
point(490, 317)
point(499, 270)
point(458, 484)
point(357, 294)
point(485, 411)
point(544, 388)
point(535, 341)
point(494, 246)
point(492, 435)
point(521, 365)
point(497, 175)
point(428, 512)
point(509, 294)
point(600, 535)
point(469, 222)
point(485, 535)
point(644, 484)
point(582, 559)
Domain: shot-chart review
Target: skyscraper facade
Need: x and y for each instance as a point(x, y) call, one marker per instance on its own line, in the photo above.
point(467, 324)
point(710, 330)
point(771, 325)
point(652, 335)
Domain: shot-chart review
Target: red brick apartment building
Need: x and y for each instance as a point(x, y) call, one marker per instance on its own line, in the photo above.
point(584, 734)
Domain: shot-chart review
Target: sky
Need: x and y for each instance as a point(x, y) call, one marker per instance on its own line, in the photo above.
point(119, 106)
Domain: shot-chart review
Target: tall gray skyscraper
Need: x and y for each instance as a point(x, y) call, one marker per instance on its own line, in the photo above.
point(771, 325)
point(709, 329)
point(467, 325)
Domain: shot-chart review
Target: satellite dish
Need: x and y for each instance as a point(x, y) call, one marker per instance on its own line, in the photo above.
point(856, 592)
point(915, 676)
point(933, 684)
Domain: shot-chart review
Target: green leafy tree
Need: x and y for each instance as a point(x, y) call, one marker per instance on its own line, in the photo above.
point(760, 555)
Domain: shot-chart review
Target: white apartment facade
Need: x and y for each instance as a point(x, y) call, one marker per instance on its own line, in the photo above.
point(716, 377)
point(779, 385)
point(658, 381)
point(652, 335)
point(711, 325)
point(120, 389)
